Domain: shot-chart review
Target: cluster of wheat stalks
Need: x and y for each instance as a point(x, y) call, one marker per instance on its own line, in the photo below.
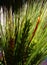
point(25, 39)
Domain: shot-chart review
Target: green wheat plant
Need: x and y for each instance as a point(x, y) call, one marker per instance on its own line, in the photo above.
point(26, 37)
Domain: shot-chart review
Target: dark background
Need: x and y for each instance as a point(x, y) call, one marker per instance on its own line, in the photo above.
point(16, 4)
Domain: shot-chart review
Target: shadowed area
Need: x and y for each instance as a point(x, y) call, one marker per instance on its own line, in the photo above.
point(16, 4)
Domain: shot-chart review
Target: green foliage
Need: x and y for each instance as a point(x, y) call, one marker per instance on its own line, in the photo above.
point(30, 36)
